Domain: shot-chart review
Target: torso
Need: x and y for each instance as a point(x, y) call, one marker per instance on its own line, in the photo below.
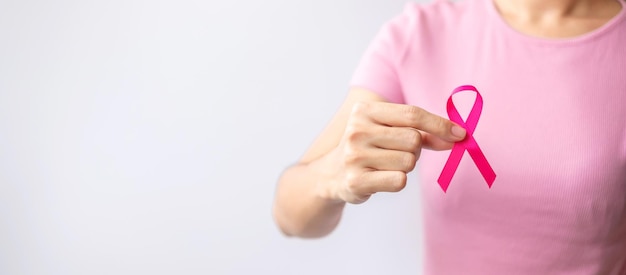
point(554, 129)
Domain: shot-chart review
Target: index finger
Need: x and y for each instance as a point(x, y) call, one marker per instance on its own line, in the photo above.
point(401, 115)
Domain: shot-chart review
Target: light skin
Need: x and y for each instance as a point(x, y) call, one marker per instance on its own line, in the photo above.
point(557, 18)
point(370, 145)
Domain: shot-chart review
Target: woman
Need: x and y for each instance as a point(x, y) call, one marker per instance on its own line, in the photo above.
point(553, 127)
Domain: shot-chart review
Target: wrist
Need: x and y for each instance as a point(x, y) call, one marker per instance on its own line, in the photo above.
point(326, 185)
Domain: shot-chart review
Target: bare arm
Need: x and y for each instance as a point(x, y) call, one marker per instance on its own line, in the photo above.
point(368, 147)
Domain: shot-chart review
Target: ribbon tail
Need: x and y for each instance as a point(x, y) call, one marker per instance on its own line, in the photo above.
point(481, 162)
point(451, 165)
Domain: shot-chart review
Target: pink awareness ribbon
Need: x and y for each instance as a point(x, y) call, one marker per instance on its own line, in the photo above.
point(469, 143)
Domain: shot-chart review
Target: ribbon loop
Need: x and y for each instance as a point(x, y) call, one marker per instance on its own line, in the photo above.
point(469, 143)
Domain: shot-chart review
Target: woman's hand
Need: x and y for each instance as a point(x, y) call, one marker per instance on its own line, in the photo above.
point(380, 145)
point(369, 146)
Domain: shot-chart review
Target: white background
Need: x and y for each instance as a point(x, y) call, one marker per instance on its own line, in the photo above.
point(146, 137)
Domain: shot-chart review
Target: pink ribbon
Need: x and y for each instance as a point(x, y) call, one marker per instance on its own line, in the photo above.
point(469, 143)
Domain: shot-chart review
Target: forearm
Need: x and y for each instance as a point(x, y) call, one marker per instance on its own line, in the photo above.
point(302, 207)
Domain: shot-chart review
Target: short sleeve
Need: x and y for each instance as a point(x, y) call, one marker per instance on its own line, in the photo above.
point(378, 68)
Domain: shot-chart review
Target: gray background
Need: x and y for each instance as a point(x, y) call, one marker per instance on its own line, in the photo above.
point(146, 137)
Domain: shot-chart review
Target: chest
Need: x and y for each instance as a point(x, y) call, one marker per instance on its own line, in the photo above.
point(554, 131)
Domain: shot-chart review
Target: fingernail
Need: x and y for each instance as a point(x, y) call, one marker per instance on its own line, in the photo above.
point(458, 131)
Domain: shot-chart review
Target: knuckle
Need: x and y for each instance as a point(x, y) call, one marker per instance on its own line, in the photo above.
point(408, 162)
point(355, 133)
point(353, 155)
point(360, 108)
point(398, 182)
point(352, 183)
point(413, 113)
point(414, 140)
point(418, 153)
point(412, 134)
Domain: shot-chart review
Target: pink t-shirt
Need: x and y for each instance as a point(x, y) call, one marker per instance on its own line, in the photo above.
point(553, 127)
